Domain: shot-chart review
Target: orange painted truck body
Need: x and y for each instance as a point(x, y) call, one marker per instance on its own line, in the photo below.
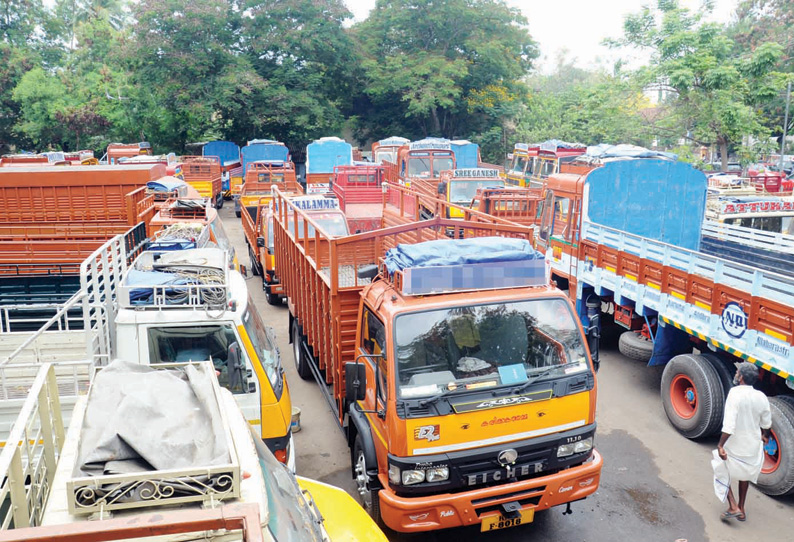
point(495, 451)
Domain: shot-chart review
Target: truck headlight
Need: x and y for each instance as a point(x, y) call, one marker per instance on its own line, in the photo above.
point(394, 474)
point(564, 450)
point(583, 445)
point(437, 474)
point(411, 477)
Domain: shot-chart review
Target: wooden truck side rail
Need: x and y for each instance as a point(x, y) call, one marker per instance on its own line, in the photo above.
point(519, 205)
point(691, 290)
point(324, 287)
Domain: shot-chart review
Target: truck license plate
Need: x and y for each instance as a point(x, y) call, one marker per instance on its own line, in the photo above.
point(492, 523)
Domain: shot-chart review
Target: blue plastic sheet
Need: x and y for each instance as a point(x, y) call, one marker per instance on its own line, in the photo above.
point(143, 296)
point(447, 252)
point(255, 152)
point(225, 150)
point(324, 154)
point(605, 150)
point(466, 154)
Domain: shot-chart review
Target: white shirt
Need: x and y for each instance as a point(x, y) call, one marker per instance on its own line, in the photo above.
point(746, 413)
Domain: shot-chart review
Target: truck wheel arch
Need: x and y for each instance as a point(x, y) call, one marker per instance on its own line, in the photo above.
point(357, 425)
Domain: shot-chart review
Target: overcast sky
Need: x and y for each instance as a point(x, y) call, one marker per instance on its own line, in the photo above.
point(575, 26)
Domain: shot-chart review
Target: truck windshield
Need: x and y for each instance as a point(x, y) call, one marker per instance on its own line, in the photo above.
point(500, 344)
point(264, 348)
point(334, 224)
point(385, 156)
point(519, 164)
point(464, 191)
point(429, 166)
point(290, 517)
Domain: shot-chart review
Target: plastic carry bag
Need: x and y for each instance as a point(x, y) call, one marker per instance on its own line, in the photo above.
point(722, 477)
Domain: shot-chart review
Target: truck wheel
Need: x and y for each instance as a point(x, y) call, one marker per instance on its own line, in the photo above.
point(726, 371)
point(272, 299)
point(692, 396)
point(370, 500)
point(635, 346)
point(777, 472)
point(238, 214)
point(254, 263)
point(301, 364)
point(219, 201)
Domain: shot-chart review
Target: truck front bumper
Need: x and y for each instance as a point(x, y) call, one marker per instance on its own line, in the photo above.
point(443, 511)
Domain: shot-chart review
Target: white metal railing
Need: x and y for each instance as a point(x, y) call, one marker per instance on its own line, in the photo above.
point(764, 240)
point(30, 456)
point(721, 271)
point(16, 316)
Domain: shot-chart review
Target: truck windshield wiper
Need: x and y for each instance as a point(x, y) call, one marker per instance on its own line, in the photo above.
point(447, 393)
point(535, 377)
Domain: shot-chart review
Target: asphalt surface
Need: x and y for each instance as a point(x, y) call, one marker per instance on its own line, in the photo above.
point(655, 484)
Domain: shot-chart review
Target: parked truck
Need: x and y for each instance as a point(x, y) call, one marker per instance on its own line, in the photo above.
point(204, 174)
point(260, 178)
point(385, 150)
point(467, 398)
point(228, 154)
point(456, 186)
point(322, 156)
point(115, 151)
point(695, 313)
point(359, 190)
point(104, 480)
point(260, 232)
point(424, 159)
point(163, 307)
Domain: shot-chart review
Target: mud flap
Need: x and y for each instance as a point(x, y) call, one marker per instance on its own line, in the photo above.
point(669, 342)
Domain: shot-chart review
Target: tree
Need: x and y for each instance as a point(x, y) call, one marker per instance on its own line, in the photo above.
point(442, 68)
point(714, 87)
point(305, 62)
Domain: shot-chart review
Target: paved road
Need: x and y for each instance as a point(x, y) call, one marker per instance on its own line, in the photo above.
point(656, 485)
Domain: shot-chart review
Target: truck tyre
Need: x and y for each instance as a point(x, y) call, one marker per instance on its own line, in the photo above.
point(254, 263)
point(219, 201)
point(301, 363)
point(692, 396)
point(272, 299)
point(368, 496)
point(726, 371)
point(777, 472)
point(635, 346)
point(238, 214)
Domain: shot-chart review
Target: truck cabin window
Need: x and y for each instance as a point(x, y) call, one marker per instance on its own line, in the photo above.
point(373, 342)
point(385, 156)
point(271, 177)
point(503, 344)
point(181, 344)
point(427, 165)
point(462, 192)
point(264, 348)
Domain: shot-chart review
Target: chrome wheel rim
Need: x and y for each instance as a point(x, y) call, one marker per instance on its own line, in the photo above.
point(361, 482)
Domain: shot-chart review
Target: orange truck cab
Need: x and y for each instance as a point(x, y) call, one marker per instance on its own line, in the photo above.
point(126, 150)
point(424, 159)
point(385, 150)
point(466, 398)
point(519, 164)
point(551, 154)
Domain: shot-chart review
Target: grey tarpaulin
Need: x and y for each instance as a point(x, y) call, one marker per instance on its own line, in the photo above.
point(142, 419)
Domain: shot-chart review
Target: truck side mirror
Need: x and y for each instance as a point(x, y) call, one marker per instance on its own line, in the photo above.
point(260, 242)
point(442, 188)
point(355, 381)
point(235, 367)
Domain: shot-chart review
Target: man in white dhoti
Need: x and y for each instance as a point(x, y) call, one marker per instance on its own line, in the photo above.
point(745, 430)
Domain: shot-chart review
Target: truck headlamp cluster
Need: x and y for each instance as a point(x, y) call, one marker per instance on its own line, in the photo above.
point(417, 476)
point(578, 447)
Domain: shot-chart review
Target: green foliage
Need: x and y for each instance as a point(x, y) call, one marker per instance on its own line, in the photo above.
point(447, 68)
point(715, 87)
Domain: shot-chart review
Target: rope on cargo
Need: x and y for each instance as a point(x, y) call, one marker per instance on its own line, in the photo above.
point(186, 276)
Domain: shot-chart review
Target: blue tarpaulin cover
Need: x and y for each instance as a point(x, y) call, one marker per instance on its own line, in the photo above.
point(466, 154)
point(225, 150)
point(325, 153)
point(459, 252)
point(142, 296)
point(263, 151)
point(659, 199)
point(605, 150)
